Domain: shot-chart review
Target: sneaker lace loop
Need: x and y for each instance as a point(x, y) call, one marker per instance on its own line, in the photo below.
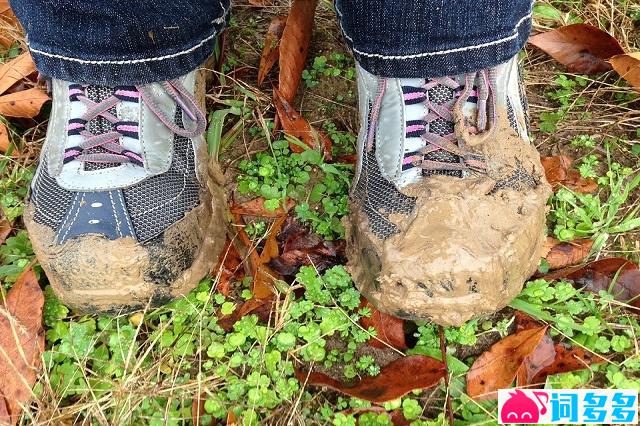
point(476, 84)
point(112, 151)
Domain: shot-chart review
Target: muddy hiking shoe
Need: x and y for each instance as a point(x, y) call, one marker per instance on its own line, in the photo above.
point(125, 208)
point(448, 206)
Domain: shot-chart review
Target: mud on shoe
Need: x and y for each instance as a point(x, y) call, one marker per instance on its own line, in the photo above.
point(125, 208)
point(447, 210)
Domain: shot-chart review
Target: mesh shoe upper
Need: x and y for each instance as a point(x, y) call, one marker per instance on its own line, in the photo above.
point(117, 184)
point(412, 123)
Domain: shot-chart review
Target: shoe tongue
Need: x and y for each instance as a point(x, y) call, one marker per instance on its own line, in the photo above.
point(99, 125)
point(440, 94)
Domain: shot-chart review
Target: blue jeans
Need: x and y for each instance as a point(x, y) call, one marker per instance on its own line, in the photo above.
point(121, 42)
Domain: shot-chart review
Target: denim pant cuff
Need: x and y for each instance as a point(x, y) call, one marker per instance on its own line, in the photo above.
point(115, 72)
point(119, 43)
point(459, 52)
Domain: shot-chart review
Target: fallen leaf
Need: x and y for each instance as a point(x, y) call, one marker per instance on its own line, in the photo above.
point(628, 67)
point(230, 267)
point(255, 207)
point(396, 379)
point(271, 51)
point(262, 308)
point(4, 138)
point(265, 276)
point(10, 28)
point(21, 341)
point(542, 356)
point(497, 368)
point(197, 411)
point(300, 247)
point(566, 359)
point(389, 329)
point(4, 411)
point(582, 48)
point(4, 7)
point(526, 322)
point(26, 103)
point(559, 173)
point(15, 70)
point(297, 126)
point(600, 274)
point(563, 254)
point(294, 46)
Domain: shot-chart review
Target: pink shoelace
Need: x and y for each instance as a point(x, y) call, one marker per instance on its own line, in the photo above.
point(447, 111)
point(112, 151)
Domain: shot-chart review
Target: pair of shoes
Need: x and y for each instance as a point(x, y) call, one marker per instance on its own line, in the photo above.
point(447, 211)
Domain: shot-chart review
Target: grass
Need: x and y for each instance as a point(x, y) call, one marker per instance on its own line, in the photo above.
point(150, 367)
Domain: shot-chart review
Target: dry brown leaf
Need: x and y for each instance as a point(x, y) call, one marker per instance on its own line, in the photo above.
point(21, 341)
point(566, 359)
point(294, 46)
point(271, 51)
point(5, 229)
point(620, 276)
point(265, 276)
point(4, 411)
point(396, 379)
point(26, 104)
point(229, 266)
point(389, 329)
point(561, 255)
point(197, 411)
point(559, 173)
point(543, 356)
point(16, 70)
point(8, 35)
point(497, 368)
point(4, 7)
point(582, 48)
point(4, 139)
point(628, 66)
point(297, 126)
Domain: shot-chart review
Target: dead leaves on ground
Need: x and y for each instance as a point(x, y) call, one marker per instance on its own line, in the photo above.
point(586, 49)
point(618, 276)
point(389, 329)
point(23, 103)
point(297, 126)
point(497, 368)
point(287, 42)
point(396, 379)
point(562, 254)
point(294, 46)
point(559, 173)
point(21, 344)
point(300, 247)
point(528, 356)
point(271, 49)
point(582, 48)
point(628, 66)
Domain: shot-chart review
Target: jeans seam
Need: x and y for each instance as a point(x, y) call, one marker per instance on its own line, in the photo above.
point(513, 36)
point(195, 47)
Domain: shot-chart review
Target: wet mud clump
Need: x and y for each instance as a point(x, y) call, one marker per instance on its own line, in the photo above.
point(469, 244)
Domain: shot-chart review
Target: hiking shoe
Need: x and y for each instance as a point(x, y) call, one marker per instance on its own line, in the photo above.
point(125, 208)
point(448, 206)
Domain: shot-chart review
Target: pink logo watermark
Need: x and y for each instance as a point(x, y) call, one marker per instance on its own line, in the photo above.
point(519, 408)
point(568, 406)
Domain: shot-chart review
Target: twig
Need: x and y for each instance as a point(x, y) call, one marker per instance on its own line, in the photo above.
point(443, 349)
